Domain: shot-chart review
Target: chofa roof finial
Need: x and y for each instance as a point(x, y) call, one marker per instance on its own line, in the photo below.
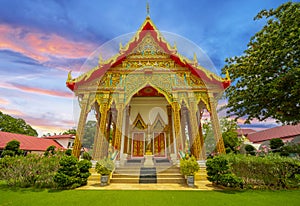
point(148, 9)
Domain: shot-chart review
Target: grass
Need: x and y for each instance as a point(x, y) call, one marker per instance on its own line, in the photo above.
point(31, 197)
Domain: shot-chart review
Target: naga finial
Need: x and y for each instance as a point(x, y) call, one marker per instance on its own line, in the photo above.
point(227, 75)
point(69, 76)
point(175, 46)
point(100, 62)
point(120, 46)
point(195, 59)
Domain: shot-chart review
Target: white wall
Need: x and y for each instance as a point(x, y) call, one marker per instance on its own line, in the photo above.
point(149, 107)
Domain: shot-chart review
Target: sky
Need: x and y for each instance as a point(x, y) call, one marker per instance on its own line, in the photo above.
point(41, 40)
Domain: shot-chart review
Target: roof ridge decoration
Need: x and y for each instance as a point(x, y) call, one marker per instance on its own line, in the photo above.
point(147, 27)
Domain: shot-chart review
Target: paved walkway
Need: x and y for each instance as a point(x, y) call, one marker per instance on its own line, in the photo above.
point(199, 185)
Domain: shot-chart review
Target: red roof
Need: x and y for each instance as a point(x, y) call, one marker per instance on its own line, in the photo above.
point(63, 136)
point(28, 143)
point(245, 132)
point(282, 132)
point(148, 26)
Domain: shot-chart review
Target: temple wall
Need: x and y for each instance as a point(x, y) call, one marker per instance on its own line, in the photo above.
point(149, 107)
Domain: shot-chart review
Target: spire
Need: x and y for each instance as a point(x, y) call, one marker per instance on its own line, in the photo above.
point(148, 9)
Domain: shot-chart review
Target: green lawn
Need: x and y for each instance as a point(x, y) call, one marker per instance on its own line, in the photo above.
point(33, 197)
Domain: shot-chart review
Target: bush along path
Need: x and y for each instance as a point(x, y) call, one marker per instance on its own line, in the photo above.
point(242, 171)
point(52, 170)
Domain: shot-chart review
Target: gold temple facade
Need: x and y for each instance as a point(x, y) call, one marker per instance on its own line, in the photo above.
point(148, 100)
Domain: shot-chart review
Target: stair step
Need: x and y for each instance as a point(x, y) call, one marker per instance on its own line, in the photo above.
point(164, 175)
point(125, 180)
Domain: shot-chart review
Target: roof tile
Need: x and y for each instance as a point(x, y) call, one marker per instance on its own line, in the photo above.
point(28, 143)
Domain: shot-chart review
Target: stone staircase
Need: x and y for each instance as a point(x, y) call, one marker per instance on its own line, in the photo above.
point(164, 175)
point(132, 174)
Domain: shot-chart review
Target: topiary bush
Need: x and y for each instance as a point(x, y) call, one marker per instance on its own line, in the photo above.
point(218, 172)
point(216, 167)
point(276, 144)
point(250, 149)
point(72, 173)
point(84, 166)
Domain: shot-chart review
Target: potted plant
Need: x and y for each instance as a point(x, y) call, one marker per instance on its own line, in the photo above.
point(188, 167)
point(105, 167)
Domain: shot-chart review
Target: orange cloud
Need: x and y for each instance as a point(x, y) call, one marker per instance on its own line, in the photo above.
point(41, 46)
point(12, 112)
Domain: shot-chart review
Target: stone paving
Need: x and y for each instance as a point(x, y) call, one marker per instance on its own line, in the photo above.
point(199, 185)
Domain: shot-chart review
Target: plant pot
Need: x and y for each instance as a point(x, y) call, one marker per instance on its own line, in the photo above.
point(104, 180)
point(190, 180)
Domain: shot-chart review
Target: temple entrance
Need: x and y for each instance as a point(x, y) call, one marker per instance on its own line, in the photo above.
point(138, 144)
point(159, 144)
point(148, 100)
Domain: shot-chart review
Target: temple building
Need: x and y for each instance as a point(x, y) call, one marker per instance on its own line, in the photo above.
point(148, 101)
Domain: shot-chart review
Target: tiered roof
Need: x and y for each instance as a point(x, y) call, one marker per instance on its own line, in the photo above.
point(146, 28)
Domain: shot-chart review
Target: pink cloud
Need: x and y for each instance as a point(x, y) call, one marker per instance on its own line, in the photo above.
point(3, 101)
point(41, 46)
point(43, 91)
point(48, 125)
point(12, 112)
point(36, 90)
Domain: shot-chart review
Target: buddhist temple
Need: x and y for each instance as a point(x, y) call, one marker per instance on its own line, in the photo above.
point(148, 100)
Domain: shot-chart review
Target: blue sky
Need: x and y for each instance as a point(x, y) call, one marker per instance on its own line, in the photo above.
point(40, 41)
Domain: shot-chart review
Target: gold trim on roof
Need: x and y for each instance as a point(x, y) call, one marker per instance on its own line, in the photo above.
point(173, 50)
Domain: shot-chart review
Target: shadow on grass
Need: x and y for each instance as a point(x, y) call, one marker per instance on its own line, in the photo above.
point(230, 191)
point(6, 187)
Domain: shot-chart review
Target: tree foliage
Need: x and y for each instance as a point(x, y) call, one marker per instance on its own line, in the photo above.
point(70, 131)
point(19, 126)
point(89, 134)
point(12, 148)
point(276, 144)
point(229, 134)
point(266, 77)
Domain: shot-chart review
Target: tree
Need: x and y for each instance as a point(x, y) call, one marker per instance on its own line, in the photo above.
point(12, 148)
point(276, 144)
point(229, 134)
point(70, 131)
point(89, 134)
point(19, 126)
point(266, 77)
point(250, 149)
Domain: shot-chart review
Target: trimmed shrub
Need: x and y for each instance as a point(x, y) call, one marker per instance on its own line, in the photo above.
point(250, 149)
point(290, 149)
point(271, 171)
point(72, 173)
point(276, 144)
point(216, 167)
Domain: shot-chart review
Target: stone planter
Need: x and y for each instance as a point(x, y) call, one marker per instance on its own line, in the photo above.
point(190, 180)
point(104, 180)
